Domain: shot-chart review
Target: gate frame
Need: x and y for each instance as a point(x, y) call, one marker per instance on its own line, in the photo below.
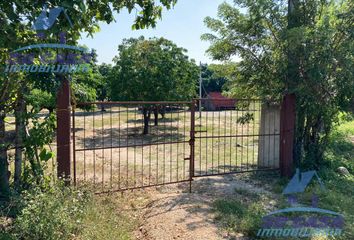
point(191, 107)
point(192, 145)
point(287, 131)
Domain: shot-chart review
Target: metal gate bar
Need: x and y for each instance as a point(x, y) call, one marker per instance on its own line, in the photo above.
point(111, 152)
point(229, 136)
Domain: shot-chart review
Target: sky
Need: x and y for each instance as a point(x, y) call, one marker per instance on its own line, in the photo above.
point(183, 25)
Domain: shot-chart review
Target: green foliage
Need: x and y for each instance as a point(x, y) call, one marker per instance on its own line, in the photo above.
point(246, 118)
point(82, 91)
point(49, 212)
point(16, 19)
point(38, 137)
point(84, 15)
point(152, 70)
point(340, 150)
point(339, 192)
point(103, 88)
point(249, 37)
point(308, 51)
point(41, 99)
point(236, 214)
point(214, 79)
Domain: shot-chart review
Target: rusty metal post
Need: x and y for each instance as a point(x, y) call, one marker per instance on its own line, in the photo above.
point(74, 146)
point(192, 146)
point(63, 130)
point(287, 132)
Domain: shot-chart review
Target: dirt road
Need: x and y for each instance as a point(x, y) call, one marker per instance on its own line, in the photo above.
point(174, 213)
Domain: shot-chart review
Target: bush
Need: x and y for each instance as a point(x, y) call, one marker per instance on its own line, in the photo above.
point(54, 211)
point(51, 213)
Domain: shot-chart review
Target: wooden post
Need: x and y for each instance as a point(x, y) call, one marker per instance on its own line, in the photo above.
point(63, 130)
point(287, 132)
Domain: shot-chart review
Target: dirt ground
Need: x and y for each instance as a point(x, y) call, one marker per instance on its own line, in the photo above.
point(173, 213)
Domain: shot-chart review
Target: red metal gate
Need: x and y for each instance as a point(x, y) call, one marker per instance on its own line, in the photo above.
point(188, 139)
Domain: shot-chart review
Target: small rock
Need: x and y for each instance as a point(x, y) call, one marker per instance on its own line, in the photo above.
point(343, 171)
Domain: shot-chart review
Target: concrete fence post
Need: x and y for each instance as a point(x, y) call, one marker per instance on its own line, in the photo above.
point(269, 139)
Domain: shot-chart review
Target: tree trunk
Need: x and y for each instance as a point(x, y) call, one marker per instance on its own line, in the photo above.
point(147, 114)
point(163, 112)
point(20, 131)
point(103, 109)
point(156, 115)
point(4, 165)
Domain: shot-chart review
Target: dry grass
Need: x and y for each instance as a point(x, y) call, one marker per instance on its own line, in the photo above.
point(130, 159)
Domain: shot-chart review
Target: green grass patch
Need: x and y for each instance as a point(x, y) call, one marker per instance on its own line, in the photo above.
point(339, 188)
point(235, 216)
point(105, 220)
point(244, 213)
point(240, 216)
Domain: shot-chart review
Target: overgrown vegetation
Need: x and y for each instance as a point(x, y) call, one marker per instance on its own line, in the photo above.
point(18, 91)
point(56, 212)
point(46, 211)
point(304, 47)
point(243, 213)
point(32, 206)
point(297, 46)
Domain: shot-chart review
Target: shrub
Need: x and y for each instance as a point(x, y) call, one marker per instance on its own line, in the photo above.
point(52, 213)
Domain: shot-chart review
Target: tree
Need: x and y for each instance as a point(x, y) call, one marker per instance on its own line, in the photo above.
point(215, 77)
point(16, 19)
point(301, 47)
point(152, 70)
point(103, 91)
